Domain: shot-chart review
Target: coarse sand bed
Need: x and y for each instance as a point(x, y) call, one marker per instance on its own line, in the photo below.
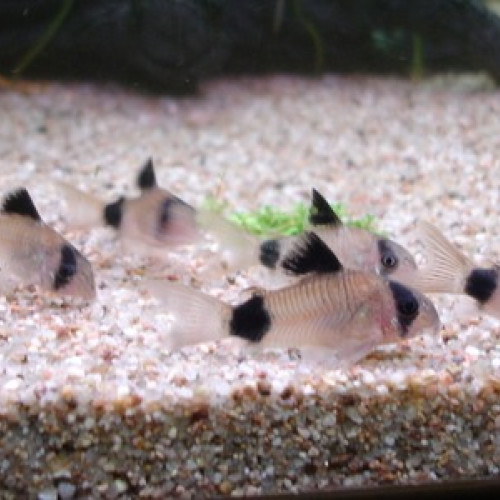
point(92, 404)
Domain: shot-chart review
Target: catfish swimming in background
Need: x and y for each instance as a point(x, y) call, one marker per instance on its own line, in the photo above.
point(154, 219)
point(356, 248)
point(33, 253)
point(336, 311)
point(449, 271)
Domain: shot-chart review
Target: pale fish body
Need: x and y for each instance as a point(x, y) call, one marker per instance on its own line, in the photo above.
point(341, 311)
point(356, 248)
point(448, 270)
point(33, 253)
point(156, 219)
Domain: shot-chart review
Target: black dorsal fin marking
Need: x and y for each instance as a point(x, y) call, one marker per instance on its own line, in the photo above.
point(113, 213)
point(321, 212)
point(19, 202)
point(250, 320)
point(147, 177)
point(310, 255)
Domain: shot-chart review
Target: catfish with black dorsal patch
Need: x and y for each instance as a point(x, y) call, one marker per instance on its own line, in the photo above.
point(343, 312)
point(356, 248)
point(448, 270)
point(33, 253)
point(154, 220)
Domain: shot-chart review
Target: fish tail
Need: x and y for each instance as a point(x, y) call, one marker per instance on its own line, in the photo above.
point(447, 267)
point(239, 249)
point(83, 209)
point(199, 317)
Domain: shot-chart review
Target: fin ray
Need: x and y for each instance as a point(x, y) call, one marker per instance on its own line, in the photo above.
point(447, 267)
point(199, 317)
point(239, 248)
point(83, 209)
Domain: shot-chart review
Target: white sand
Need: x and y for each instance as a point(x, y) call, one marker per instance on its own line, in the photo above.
point(91, 401)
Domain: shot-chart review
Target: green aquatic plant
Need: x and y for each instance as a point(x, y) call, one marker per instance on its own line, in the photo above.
point(272, 221)
point(314, 36)
point(46, 37)
point(402, 44)
point(417, 61)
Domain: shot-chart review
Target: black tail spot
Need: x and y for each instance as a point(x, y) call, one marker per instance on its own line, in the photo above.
point(165, 212)
point(250, 320)
point(321, 212)
point(147, 177)
point(407, 305)
point(269, 253)
point(113, 213)
point(481, 284)
point(67, 267)
point(310, 255)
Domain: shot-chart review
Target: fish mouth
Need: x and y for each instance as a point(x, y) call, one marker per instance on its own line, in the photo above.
point(433, 323)
point(82, 284)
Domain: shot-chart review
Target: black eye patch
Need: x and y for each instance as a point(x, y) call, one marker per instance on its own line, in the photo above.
point(67, 267)
point(407, 305)
point(166, 209)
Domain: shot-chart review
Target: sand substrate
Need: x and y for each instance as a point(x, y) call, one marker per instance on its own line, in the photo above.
point(93, 404)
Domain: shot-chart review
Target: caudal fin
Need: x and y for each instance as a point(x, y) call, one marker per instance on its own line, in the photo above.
point(239, 249)
point(83, 210)
point(198, 317)
point(446, 269)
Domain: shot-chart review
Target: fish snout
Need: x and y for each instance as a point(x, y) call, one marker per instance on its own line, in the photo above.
point(428, 320)
point(79, 280)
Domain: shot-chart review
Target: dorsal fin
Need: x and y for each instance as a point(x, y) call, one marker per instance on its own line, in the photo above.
point(19, 202)
point(310, 255)
point(321, 212)
point(147, 177)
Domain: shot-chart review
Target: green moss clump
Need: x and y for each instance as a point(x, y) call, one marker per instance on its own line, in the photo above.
point(271, 221)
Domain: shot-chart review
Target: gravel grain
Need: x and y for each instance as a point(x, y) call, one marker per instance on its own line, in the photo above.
point(92, 404)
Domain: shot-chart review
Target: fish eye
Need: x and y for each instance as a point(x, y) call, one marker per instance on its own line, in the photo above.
point(388, 257)
point(389, 260)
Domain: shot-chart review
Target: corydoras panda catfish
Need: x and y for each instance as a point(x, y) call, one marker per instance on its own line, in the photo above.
point(155, 219)
point(356, 248)
point(448, 270)
point(344, 312)
point(33, 253)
